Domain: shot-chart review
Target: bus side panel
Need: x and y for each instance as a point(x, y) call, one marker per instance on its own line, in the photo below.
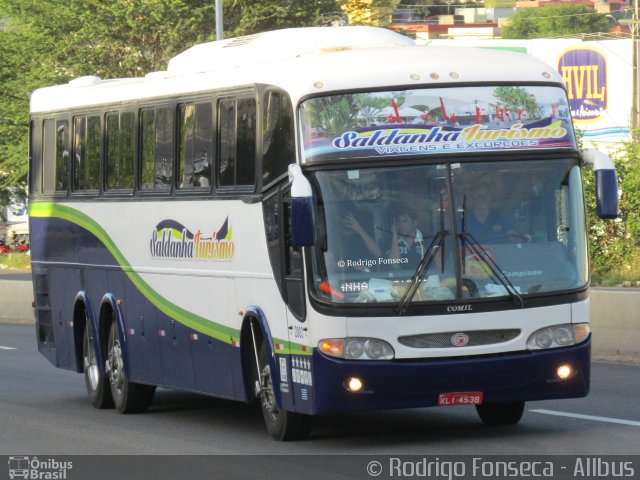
point(161, 351)
point(62, 281)
point(213, 366)
point(165, 352)
point(45, 333)
point(140, 320)
point(175, 353)
point(215, 363)
point(55, 288)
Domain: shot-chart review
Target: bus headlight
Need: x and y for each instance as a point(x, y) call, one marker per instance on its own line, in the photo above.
point(357, 348)
point(557, 336)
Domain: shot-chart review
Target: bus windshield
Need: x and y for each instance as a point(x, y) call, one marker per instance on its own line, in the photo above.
point(450, 231)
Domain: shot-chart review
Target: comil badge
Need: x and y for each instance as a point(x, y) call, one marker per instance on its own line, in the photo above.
point(585, 74)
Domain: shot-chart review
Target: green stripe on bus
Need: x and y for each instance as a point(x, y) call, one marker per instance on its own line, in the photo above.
point(200, 324)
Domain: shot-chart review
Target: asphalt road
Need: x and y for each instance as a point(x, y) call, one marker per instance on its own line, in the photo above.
point(45, 410)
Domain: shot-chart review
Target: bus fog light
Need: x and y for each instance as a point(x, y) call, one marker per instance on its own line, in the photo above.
point(564, 372)
point(354, 384)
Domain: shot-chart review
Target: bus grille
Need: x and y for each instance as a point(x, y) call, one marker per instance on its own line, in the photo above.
point(449, 339)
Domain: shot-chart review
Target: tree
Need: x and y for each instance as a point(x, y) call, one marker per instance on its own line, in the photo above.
point(515, 99)
point(21, 71)
point(555, 21)
point(420, 8)
point(376, 13)
point(45, 42)
point(615, 245)
point(246, 17)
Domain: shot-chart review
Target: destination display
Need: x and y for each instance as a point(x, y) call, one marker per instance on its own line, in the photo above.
point(436, 121)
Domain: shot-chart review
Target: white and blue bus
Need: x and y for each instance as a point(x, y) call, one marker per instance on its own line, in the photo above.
point(319, 220)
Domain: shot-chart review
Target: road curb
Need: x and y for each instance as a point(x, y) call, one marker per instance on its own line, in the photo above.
point(15, 301)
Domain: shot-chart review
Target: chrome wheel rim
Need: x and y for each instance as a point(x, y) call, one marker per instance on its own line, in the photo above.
point(266, 394)
point(115, 368)
point(90, 363)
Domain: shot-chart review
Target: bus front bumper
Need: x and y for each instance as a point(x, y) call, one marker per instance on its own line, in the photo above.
point(522, 376)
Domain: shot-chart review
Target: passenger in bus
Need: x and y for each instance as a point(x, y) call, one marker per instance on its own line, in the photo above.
point(486, 223)
point(351, 223)
point(407, 242)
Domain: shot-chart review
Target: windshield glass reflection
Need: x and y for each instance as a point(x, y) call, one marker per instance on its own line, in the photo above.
point(432, 233)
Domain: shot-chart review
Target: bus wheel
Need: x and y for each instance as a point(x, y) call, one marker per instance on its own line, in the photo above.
point(97, 386)
point(501, 413)
point(128, 397)
point(281, 425)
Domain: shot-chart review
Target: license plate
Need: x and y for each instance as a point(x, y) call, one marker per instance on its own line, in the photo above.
point(460, 398)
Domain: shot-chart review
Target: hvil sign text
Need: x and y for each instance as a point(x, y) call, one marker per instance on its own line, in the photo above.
point(585, 74)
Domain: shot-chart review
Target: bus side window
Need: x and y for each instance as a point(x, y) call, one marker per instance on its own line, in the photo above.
point(271, 211)
point(293, 275)
point(120, 148)
point(157, 149)
point(277, 136)
point(35, 155)
point(246, 142)
point(195, 145)
point(86, 169)
point(56, 156)
point(237, 142)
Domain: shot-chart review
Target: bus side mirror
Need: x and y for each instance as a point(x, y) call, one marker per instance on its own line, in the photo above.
point(302, 224)
point(606, 183)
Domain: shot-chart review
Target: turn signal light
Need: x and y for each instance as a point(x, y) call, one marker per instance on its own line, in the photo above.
point(332, 346)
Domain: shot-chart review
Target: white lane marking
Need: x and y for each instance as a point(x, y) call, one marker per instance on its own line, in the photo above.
point(589, 417)
point(7, 348)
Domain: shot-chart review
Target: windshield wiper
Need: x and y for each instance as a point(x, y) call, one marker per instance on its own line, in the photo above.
point(476, 248)
point(437, 245)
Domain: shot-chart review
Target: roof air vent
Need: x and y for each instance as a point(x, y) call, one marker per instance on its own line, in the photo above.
point(239, 41)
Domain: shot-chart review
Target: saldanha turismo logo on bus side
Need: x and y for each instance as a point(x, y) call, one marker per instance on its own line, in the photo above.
point(170, 239)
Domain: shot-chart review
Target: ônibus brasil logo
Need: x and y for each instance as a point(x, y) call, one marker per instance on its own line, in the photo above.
point(170, 239)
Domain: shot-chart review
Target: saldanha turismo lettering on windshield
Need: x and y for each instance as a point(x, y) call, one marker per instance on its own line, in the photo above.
point(438, 138)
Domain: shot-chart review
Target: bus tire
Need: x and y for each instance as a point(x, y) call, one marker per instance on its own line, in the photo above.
point(97, 386)
point(501, 413)
point(281, 424)
point(128, 397)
